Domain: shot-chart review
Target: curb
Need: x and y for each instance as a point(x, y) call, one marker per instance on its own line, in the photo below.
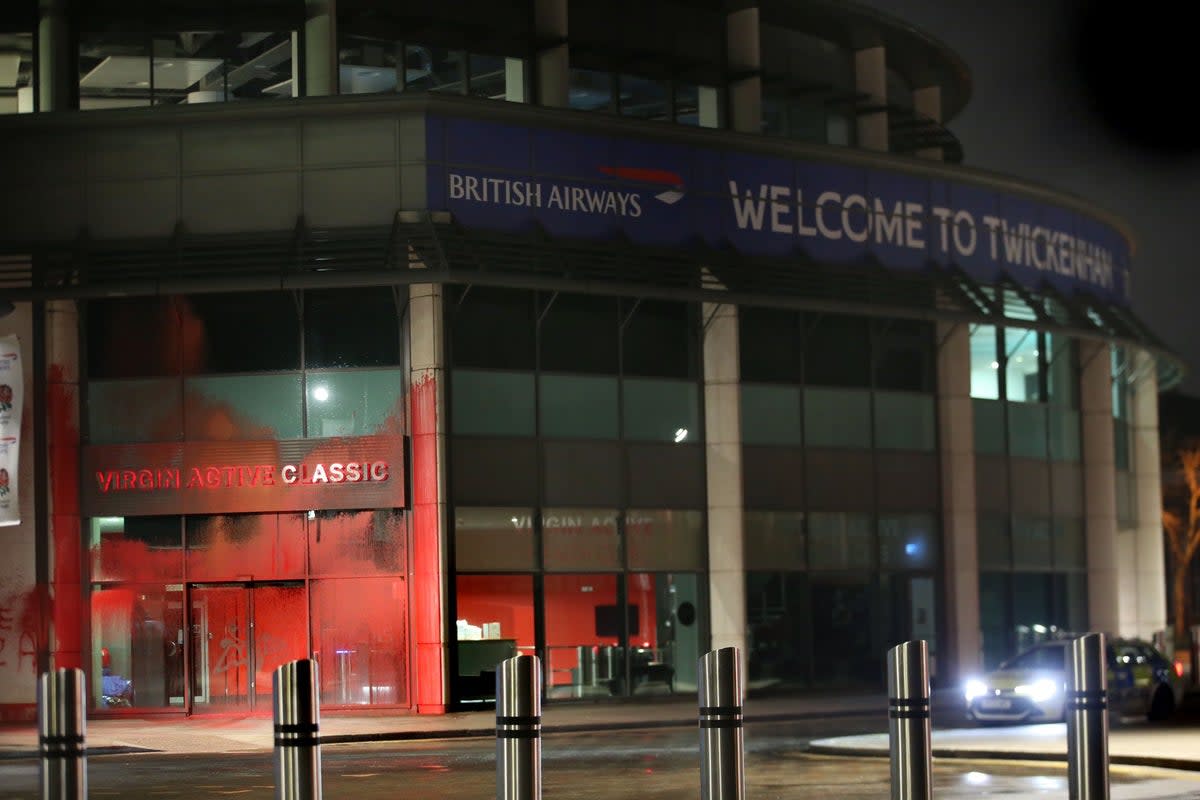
point(1161, 762)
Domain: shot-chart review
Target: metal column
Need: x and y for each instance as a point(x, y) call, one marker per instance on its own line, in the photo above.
point(296, 709)
point(908, 721)
point(519, 729)
point(62, 724)
point(1087, 719)
point(722, 765)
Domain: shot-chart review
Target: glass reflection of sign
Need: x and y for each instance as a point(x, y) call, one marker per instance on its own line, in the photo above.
point(241, 477)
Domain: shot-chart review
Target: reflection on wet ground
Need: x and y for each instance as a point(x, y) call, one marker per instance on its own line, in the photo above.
point(647, 765)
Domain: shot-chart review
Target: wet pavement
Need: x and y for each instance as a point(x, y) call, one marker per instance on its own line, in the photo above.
point(658, 764)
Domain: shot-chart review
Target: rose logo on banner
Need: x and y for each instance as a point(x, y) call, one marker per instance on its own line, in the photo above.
point(11, 391)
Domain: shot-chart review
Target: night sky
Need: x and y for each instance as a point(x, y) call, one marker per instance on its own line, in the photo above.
point(1079, 95)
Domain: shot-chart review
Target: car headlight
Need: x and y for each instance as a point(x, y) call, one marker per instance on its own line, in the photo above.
point(1038, 691)
point(974, 688)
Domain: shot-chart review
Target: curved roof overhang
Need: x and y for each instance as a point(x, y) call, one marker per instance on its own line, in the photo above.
point(430, 247)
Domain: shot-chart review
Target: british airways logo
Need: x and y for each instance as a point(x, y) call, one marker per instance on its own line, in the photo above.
point(663, 185)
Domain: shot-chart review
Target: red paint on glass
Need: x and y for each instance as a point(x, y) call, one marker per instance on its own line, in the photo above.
point(427, 543)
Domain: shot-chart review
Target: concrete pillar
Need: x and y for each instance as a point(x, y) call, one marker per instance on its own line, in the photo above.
point(927, 102)
point(427, 429)
point(1099, 486)
point(1150, 576)
point(552, 76)
point(320, 48)
point(56, 76)
point(870, 79)
point(956, 445)
point(723, 465)
point(744, 57)
point(62, 480)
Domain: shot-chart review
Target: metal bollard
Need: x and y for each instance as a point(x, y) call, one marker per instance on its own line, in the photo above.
point(519, 729)
point(1087, 719)
point(908, 721)
point(62, 745)
point(297, 714)
point(722, 764)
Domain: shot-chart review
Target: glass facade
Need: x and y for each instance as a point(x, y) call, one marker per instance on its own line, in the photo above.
point(842, 543)
point(577, 481)
point(192, 612)
point(1029, 480)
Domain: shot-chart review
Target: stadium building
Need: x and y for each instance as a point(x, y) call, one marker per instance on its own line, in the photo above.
point(412, 336)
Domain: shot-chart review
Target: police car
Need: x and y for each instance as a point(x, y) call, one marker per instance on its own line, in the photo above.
point(1031, 687)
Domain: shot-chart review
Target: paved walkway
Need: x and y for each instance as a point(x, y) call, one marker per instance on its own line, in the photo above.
point(1171, 746)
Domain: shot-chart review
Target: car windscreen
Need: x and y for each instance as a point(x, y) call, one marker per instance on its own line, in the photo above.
point(1048, 658)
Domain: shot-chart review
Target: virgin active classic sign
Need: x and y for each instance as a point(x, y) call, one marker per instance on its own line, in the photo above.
point(508, 177)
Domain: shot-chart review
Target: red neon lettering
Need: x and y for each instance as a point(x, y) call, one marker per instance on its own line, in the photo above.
point(145, 479)
point(195, 479)
point(128, 479)
point(105, 480)
point(268, 474)
point(379, 471)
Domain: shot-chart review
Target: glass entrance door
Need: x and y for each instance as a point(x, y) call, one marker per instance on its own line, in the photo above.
point(241, 633)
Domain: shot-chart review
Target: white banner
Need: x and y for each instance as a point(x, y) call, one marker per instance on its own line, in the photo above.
point(12, 391)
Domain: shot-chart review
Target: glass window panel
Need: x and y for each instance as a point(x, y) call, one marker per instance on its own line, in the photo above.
point(990, 431)
point(243, 407)
point(1062, 370)
point(360, 636)
point(356, 542)
point(908, 541)
point(1027, 430)
point(771, 414)
point(1126, 509)
point(488, 76)
point(1031, 543)
point(645, 98)
point(495, 621)
point(661, 410)
point(995, 607)
point(583, 406)
point(842, 614)
point(131, 411)
point(837, 350)
point(492, 403)
point(19, 71)
point(245, 547)
point(493, 328)
point(579, 334)
point(137, 646)
point(580, 538)
point(665, 540)
point(584, 626)
point(697, 105)
point(769, 342)
point(259, 66)
point(840, 540)
point(660, 340)
point(494, 539)
point(985, 364)
point(367, 66)
point(434, 69)
point(356, 403)
point(1064, 433)
point(136, 548)
point(663, 651)
point(351, 328)
point(837, 418)
point(590, 90)
point(115, 70)
point(995, 543)
point(779, 623)
point(1033, 612)
point(774, 540)
point(905, 421)
point(840, 130)
point(1070, 549)
point(148, 330)
point(222, 324)
point(1121, 443)
point(1022, 380)
point(904, 355)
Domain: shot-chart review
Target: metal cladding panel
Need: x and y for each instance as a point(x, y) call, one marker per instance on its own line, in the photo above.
point(243, 477)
